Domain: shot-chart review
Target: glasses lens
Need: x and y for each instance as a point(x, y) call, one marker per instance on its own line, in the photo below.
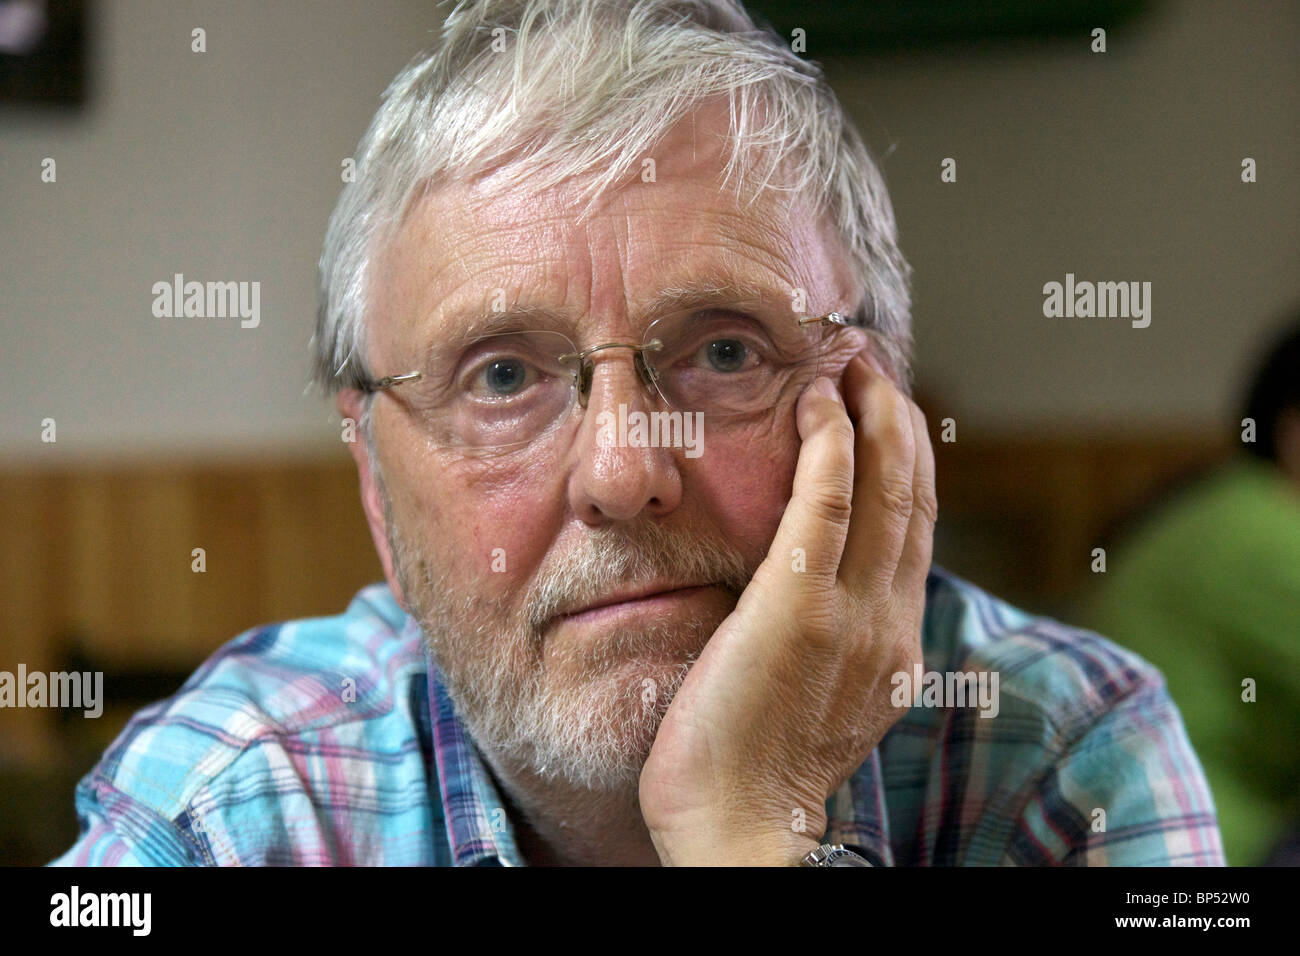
point(733, 362)
point(500, 391)
point(509, 389)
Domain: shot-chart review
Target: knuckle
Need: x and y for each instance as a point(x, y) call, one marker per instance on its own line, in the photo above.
point(895, 492)
point(820, 623)
point(831, 495)
point(927, 503)
point(841, 431)
point(832, 501)
point(819, 618)
point(896, 427)
point(915, 411)
point(904, 655)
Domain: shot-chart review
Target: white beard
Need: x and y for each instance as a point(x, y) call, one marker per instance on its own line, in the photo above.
point(587, 717)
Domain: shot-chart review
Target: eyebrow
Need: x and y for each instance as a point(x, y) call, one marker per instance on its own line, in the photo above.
point(705, 294)
point(471, 324)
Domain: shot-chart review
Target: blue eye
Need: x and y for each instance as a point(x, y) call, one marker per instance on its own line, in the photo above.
point(506, 376)
point(503, 377)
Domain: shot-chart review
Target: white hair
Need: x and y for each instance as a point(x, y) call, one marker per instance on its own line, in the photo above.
point(589, 86)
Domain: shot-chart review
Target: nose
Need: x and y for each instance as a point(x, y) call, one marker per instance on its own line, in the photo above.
point(614, 476)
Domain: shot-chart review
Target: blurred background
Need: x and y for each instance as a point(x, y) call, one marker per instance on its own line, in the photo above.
point(174, 434)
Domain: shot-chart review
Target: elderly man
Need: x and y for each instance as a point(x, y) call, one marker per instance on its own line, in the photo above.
point(617, 302)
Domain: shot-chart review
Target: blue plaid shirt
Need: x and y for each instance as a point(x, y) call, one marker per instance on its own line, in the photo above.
point(332, 741)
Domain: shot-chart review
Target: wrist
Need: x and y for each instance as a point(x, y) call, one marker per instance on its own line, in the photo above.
point(722, 847)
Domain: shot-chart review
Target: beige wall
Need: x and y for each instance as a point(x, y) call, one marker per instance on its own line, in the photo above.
point(1122, 166)
point(225, 166)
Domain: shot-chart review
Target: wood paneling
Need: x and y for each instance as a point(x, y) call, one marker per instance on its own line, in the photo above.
point(1020, 515)
point(102, 554)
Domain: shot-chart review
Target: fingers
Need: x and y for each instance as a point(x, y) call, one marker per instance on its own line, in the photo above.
point(863, 507)
point(816, 520)
point(918, 549)
point(883, 493)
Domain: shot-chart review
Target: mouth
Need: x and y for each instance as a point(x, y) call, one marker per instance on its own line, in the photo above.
point(642, 600)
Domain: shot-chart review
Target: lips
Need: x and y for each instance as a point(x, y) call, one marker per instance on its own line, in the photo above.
point(629, 594)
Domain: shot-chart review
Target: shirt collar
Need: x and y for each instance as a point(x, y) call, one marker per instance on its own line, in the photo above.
point(479, 831)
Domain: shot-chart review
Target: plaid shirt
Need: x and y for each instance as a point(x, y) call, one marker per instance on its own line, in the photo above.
point(333, 741)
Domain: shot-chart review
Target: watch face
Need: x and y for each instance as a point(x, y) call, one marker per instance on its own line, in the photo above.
point(842, 856)
point(835, 855)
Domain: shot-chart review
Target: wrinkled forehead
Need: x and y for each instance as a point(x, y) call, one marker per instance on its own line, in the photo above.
point(490, 244)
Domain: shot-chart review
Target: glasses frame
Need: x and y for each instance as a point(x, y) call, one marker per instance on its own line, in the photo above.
point(583, 375)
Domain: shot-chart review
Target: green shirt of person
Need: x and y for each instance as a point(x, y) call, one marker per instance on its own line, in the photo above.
point(1208, 590)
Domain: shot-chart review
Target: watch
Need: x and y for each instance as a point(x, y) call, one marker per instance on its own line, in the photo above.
point(833, 854)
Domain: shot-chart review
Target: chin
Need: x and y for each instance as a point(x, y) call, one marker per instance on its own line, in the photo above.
point(598, 731)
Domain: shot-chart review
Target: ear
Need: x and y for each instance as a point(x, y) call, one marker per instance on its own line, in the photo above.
point(351, 404)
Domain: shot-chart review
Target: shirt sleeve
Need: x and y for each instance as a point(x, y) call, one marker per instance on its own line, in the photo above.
point(118, 830)
point(1129, 791)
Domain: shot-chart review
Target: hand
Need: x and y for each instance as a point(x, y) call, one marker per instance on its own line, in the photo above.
point(792, 692)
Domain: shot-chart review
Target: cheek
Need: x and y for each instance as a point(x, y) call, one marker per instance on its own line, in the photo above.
point(491, 521)
point(743, 481)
